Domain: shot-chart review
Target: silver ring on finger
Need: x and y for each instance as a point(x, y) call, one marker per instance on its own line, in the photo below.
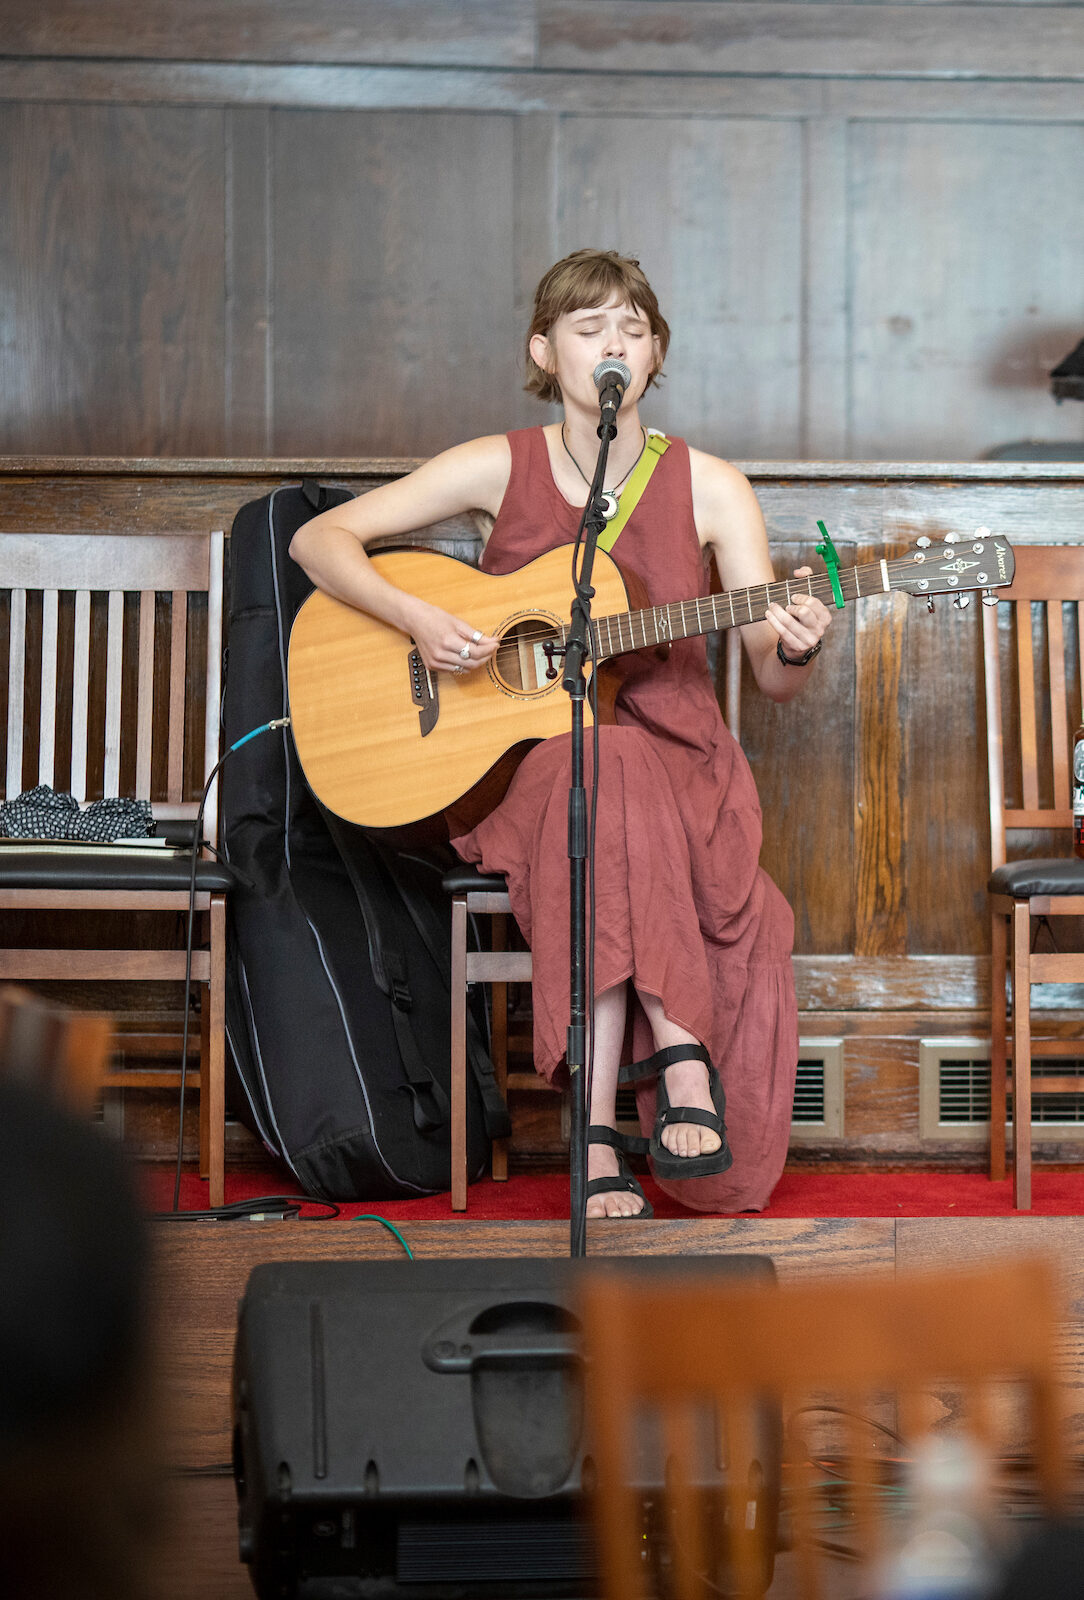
point(464, 654)
point(457, 672)
point(476, 637)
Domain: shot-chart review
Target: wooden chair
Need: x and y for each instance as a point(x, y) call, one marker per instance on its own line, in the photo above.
point(114, 672)
point(702, 1358)
point(64, 1054)
point(1029, 790)
point(481, 894)
point(477, 894)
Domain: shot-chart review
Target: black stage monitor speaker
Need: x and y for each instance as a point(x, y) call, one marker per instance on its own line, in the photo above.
point(414, 1430)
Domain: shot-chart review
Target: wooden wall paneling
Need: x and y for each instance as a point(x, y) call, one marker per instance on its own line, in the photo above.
point(712, 207)
point(433, 32)
point(112, 262)
point(881, 777)
point(536, 140)
point(394, 281)
point(967, 243)
point(249, 308)
point(803, 757)
point(536, 200)
point(948, 820)
point(1024, 512)
point(825, 282)
point(680, 36)
point(391, 88)
point(731, 36)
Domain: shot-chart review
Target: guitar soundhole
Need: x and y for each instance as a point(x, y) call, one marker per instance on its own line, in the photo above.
point(528, 659)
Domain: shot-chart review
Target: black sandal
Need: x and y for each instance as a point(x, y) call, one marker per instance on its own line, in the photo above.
point(665, 1162)
point(625, 1182)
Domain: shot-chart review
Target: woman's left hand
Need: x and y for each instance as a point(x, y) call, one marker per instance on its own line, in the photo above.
point(803, 623)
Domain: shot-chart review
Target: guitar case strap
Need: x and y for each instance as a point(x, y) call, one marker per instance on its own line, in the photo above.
point(430, 1103)
point(655, 447)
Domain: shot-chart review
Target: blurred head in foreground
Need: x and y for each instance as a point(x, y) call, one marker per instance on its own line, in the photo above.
point(77, 1491)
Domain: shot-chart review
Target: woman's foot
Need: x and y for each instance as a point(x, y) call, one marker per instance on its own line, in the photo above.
point(605, 1163)
point(687, 1085)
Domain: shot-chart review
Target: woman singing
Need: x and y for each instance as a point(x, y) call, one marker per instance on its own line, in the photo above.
point(694, 994)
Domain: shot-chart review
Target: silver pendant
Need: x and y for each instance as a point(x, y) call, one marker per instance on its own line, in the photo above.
point(610, 505)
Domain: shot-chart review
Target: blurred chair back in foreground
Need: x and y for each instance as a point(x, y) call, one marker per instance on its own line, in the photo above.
point(63, 1054)
point(958, 1352)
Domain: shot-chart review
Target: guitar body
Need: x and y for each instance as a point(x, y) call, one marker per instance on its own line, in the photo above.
point(382, 742)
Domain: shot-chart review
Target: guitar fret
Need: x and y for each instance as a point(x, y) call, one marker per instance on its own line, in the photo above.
point(655, 625)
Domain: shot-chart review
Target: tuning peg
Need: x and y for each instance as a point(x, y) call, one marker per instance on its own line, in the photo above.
point(923, 542)
point(982, 533)
point(961, 601)
point(989, 598)
point(952, 538)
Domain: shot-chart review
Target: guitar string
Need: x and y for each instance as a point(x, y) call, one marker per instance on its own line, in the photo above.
point(818, 586)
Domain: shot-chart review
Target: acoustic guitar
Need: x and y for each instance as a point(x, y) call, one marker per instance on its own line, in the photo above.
point(384, 742)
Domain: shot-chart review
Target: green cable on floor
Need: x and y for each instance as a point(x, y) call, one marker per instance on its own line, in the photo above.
point(371, 1217)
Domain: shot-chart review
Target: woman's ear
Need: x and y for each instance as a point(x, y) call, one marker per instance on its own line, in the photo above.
point(541, 352)
point(656, 365)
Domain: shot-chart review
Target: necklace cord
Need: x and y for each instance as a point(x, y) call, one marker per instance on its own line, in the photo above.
point(621, 481)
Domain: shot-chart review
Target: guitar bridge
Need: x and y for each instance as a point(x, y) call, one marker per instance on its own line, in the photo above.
point(423, 692)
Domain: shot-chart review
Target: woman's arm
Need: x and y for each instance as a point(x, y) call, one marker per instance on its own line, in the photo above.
point(331, 547)
point(730, 524)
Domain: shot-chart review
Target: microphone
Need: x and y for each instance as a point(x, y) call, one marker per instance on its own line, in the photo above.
point(612, 378)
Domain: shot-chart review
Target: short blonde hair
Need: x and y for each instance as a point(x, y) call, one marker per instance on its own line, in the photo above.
point(585, 279)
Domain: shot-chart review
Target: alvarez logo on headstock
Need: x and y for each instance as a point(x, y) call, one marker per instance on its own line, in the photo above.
point(383, 741)
point(985, 562)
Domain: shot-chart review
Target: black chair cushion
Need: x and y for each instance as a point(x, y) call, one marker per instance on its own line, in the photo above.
point(1022, 879)
point(468, 880)
point(90, 867)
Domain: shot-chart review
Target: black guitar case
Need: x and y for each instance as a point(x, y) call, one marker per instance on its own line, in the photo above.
point(337, 1011)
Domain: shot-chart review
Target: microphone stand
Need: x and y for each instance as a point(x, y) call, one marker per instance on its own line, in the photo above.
point(578, 647)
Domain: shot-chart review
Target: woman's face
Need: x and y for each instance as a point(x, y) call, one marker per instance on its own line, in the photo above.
point(579, 340)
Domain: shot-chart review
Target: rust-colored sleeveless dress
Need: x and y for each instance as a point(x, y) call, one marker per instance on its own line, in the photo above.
point(684, 909)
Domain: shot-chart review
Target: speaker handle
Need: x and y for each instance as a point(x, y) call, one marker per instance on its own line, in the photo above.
point(518, 1331)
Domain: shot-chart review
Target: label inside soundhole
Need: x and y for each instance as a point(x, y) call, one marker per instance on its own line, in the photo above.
point(528, 659)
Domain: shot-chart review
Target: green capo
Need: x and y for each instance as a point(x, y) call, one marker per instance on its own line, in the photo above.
point(831, 560)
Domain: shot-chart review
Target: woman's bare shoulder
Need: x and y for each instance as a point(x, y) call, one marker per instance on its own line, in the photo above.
point(714, 477)
point(474, 473)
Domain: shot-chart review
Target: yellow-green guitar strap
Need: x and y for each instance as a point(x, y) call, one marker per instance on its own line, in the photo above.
point(655, 448)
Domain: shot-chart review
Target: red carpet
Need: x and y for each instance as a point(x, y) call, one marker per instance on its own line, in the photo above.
point(799, 1194)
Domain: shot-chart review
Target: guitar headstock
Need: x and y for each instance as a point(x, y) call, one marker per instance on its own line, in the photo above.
point(955, 566)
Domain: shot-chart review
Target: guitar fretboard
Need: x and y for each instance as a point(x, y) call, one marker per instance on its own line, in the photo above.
point(685, 619)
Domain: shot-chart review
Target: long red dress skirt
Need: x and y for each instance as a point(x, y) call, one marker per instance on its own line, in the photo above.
point(683, 908)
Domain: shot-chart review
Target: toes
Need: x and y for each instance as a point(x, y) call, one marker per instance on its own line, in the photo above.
point(614, 1204)
point(690, 1139)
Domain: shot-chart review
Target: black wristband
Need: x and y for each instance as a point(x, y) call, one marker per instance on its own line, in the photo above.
point(796, 661)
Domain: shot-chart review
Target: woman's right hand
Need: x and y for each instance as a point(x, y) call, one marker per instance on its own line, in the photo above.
point(447, 643)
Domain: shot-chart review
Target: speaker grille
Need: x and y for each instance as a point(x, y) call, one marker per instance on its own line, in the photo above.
point(489, 1551)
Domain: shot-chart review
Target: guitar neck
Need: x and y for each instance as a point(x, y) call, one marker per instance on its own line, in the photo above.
point(734, 608)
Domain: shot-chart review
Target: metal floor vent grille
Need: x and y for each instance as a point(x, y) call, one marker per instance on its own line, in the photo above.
point(809, 1092)
point(818, 1094)
point(954, 1091)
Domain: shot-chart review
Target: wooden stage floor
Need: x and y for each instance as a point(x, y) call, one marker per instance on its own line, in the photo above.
point(202, 1269)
